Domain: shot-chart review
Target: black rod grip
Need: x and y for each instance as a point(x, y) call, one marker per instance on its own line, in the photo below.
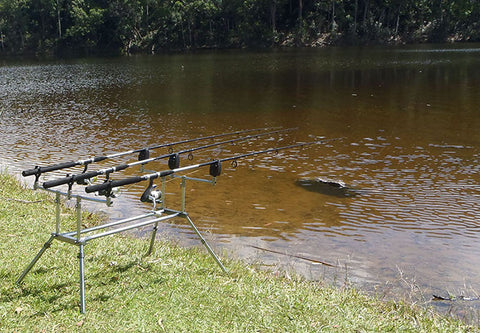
point(99, 158)
point(59, 166)
point(121, 167)
point(31, 172)
point(164, 173)
point(40, 170)
point(112, 184)
point(91, 174)
point(127, 181)
point(97, 187)
point(57, 182)
point(85, 175)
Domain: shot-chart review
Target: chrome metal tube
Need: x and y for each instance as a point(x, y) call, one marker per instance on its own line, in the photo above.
point(129, 227)
point(111, 224)
point(204, 242)
point(34, 261)
point(81, 256)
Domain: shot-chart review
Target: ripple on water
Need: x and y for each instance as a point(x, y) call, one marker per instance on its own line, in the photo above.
point(417, 202)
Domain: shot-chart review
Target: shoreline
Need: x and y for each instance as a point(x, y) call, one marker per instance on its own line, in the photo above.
point(323, 41)
point(174, 289)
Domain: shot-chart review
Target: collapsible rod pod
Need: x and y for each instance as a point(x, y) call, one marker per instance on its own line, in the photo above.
point(75, 237)
point(69, 237)
point(80, 237)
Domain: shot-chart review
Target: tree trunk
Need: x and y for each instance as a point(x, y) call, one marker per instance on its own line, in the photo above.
point(183, 35)
point(300, 10)
point(273, 14)
point(397, 24)
point(365, 11)
point(333, 16)
point(59, 22)
point(146, 17)
point(355, 18)
point(382, 17)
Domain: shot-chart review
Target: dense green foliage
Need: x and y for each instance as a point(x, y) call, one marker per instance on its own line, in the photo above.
point(98, 26)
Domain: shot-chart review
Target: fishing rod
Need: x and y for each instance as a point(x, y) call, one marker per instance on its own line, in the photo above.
point(173, 162)
point(144, 153)
point(315, 261)
point(215, 168)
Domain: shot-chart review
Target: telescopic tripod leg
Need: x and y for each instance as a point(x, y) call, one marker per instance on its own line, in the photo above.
point(34, 261)
point(204, 242)
point(81, 257)
point(152, 241)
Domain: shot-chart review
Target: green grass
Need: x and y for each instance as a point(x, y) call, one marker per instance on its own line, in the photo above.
point(173, 290)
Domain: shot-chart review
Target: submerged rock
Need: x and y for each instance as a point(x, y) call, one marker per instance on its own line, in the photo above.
point(335, 188)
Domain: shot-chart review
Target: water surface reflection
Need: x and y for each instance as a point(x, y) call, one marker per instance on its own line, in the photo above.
point(409, 118)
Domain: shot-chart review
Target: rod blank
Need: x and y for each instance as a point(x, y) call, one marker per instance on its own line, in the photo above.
point(108, 185)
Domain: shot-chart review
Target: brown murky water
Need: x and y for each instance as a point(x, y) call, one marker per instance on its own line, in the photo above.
point(409, 119)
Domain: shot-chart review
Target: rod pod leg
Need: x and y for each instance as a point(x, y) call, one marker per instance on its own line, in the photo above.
point(81, 256)
point(155, 227)
point(34, 261)
point(204, 242)
point(152, 241)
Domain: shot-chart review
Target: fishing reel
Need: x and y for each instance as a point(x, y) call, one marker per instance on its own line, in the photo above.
point(86, 181)
point(151, 195)
point(108, 191)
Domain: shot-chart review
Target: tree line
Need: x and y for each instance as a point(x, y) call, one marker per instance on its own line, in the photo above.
point(62, 27)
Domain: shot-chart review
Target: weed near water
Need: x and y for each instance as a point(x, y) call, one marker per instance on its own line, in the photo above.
point(173, 290)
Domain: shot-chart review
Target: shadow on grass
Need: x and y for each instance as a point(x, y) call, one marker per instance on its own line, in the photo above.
point(63, 306)
point(37, 292)
point(125, 267)
point(54, 298)
point(49, 296)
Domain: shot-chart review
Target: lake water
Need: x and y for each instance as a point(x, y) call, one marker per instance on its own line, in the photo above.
point(408, 118)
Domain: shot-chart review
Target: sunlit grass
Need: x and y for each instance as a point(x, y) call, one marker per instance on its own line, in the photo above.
point(173, 290)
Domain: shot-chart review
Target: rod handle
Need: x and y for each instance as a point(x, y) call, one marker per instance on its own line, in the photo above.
point(99, 159)
point(39, 170)
point(70, 179)
point(85, 175)
point(57, 182)
point(112, 184)
point(91, 174)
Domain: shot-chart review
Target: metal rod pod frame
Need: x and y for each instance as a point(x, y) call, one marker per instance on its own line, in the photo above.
point(81, 236)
